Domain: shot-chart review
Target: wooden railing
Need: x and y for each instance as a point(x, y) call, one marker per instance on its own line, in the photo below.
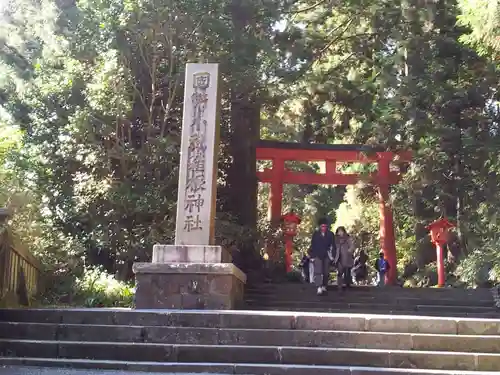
point(19, 276)
point(19, 271)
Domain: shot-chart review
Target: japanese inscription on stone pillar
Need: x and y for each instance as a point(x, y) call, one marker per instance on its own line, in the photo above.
point(199, 152)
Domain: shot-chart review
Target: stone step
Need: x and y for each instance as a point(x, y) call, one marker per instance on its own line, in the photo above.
point(422, 314)
point(258, 320)
point(375, 291)
point(349, 296)
point(372, 307)
point(362, 309)
point(371, 288)
point(251, 354)
point(252, 337)
point(212, 368)
point(395, 305)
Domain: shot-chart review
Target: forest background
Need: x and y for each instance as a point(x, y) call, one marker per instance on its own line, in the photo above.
point(91, 95)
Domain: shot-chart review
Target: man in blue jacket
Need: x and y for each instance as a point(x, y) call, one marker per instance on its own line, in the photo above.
point(322, 252)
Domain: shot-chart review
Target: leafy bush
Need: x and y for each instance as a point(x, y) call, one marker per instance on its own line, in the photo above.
point(423, 278)
point(294, 276)
point(88, 287)
point(97, 288)
point(482, 266)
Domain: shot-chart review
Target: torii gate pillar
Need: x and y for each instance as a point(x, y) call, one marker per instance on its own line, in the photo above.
point(387, 238)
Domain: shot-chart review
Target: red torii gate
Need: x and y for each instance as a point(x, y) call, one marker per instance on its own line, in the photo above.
point(280, 152)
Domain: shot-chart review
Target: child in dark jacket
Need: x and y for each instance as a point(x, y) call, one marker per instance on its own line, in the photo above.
point(382, 266)
point(304, 265)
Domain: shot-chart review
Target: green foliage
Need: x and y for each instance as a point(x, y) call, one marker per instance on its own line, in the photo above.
point(96, 90)
point(89, 287)
point(91, 105)
point(483, 19)
point(96, 288)
point(295, 276)
point(396, 75)
point(481, 268)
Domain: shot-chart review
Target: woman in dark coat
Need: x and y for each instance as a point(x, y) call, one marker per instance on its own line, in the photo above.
point(344, 257)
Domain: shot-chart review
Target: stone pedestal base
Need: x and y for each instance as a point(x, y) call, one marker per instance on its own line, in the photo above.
point(190, 254)
point(211, 286)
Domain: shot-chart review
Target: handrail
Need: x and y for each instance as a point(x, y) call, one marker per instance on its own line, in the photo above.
point(19, 270)
point(30, 259)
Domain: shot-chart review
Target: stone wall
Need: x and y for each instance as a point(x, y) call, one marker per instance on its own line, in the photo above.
point(216, 286)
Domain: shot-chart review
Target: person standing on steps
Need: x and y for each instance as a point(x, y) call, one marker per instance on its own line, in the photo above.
point(382, 266)
point(345, 257)
point(360, 269)
point(322, 252)
point(304, 266)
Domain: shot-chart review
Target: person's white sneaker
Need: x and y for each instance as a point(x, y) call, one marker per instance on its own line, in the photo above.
point(323, 289)
point(320, 291)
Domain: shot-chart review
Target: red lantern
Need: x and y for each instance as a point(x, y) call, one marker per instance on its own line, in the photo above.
point(440, 231)
point(291, 222)
point(439, 236)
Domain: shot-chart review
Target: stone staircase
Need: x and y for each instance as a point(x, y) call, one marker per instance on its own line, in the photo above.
point(249, 342)
point(389, 300)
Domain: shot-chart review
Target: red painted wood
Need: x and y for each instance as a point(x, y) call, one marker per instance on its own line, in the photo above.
point(322, 155)
point(278, 176)
point(440, 265)
point(387, 238)
point(331, 167)
point(288, 253)
point(276, 196)
point(308, 178)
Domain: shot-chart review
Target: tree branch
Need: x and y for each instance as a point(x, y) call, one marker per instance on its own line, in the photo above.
point(327, 46)
point(306, 9)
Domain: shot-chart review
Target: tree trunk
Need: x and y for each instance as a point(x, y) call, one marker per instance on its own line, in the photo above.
point(242, 179)
point(245, 124)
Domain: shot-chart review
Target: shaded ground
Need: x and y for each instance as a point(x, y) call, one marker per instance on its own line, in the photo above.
point(18, 370)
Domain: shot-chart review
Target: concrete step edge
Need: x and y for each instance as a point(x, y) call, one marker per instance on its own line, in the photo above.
point(373, 292)
point(349, 296)
point(335, 298)
point(222, 313)
point(388, 306)
point(279, 355)
point(375, 289)
point(403, 312)
point(390, 310)
point(239, 347)
point(251, 330)
point(263, 318)
point(223, 368)
point(352, 293)
point(414, 313)
point(364, 294)
point(168, 336)
point(334, 302)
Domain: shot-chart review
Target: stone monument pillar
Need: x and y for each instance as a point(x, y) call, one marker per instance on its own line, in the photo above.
point(194, 273)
